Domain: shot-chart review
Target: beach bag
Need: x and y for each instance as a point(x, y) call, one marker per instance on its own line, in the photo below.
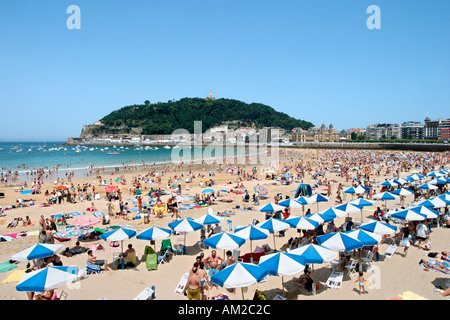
point(259, 295)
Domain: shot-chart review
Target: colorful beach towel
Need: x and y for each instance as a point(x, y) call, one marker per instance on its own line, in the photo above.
point(408, 295)
point(15, 276)
point(74, 214)
point(98, 214)
point(6, 266)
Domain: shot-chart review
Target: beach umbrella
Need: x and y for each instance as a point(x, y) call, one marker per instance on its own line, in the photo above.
point(428, 212)
point(385, 196)
point(252, 233)
point(346, 207)
point(154, 233)
point(208, 191)
point(389, 183)
point(339, 241)
point(209, 219)
point(48, 278)
point(319, 217)
point(62, 187)
point(185, 225)
point(415, 177)
point(360, 202)
point(271, 207)
point(357, 190)
point(315, 254)
point(366, 237)
point(111, 189)
point(402, 192)
point(378, 227)
point(427, 186)
point(261, 190)
point(434, 203)
point(400, 181)
point(290, 203)
point(37, 251)
point(316, 198)
point(408, 215)
point(435, 174)
point(333, 212)
point(445, 197)
point(120, 234)
point(302, 223)
point(224, 241)
point(273, 225)
point(282, 264)
point(239, 275)
point(26, 192)
point(86, 221)
point(67, 233)
point(440, 180)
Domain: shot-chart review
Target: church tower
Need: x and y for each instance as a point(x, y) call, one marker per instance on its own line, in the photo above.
point(210, 97)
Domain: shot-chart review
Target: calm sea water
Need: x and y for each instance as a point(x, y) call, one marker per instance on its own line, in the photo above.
point(27, 156)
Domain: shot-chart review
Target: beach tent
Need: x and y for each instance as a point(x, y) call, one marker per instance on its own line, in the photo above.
point(303, 190)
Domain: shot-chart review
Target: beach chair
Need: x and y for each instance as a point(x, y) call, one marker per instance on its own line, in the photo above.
point(151, 258)
point(179, 247)
point(182, 283)
point(236, 254)
point(162, 257)
point(117, 260)
point(334, 281)
point(351, 268)
point(146, 294)
point(390, 251)
point(92, 268)
point(166, 244)
point(63, 295)
point(229, 226)
point(368, 259)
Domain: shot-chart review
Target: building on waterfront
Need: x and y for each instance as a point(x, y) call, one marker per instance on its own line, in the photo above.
point(444, 130)
point(322, 134)
point(383, 131)
point(431, 129)
point(412, 130)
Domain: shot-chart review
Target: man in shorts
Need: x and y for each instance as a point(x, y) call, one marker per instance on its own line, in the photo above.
point(213, 263)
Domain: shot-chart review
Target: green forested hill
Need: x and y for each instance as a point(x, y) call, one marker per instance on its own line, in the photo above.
point(165, 117)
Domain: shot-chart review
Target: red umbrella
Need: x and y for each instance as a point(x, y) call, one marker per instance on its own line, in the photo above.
point(111, 188)
point(61, 188)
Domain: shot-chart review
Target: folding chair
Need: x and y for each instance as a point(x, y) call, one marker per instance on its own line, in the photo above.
point(236, 254)
point(368, 259)
point(146, 294)
point(162, 258)
point(117, 260)
point(63, 295)
point(351, 268)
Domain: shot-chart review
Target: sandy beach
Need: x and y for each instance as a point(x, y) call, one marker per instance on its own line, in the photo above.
point(396, 276)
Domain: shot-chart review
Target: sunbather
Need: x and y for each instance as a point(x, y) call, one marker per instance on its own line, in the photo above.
point(97, 263)
point(435, 265)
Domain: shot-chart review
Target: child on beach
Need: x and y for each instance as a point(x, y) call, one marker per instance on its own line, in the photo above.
point(361, 282)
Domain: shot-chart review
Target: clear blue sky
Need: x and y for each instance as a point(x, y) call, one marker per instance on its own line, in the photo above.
point(314, 60)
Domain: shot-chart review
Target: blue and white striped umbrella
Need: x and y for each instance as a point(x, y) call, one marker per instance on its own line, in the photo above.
point(208, 191)
point(252, 233)
point(378, 227)
point(120, 234)
point(271, 207)
point(428, 212)
point(360, 202)
point(357, 190)
point(302, 223)
point(290, 203)
point(400, 181)
point(319, 217)
point(224, 241)
point(314, 253)
point(209, 219)
point(273, 225)
point(366, 237)
point(315, 198)
point(415, 177)
point(154, 233)
point(435, 174)
point(37, 251)
point(385, 196)
point(440, 180)
point(408, 215)
point(302, 200)
point(347, 207)
point(433, 203)
point(239, 275)
point(389, 183)
point(333, 212)
point(49, 278)
point(185, 225)
point(427, 186)
point(339, 241)
point(445, 197)
point(282, 264)
point(402, 192)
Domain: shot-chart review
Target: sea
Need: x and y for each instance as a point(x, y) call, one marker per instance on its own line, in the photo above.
point(25, 157)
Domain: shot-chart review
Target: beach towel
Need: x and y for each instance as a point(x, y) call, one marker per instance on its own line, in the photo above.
point(12, 235)
point(98, 214)
point(112, 247)
point(34, 233)
point(95, 249)
point(15, 276)
point(6, 266)
point(408, 295)
point(74, 214)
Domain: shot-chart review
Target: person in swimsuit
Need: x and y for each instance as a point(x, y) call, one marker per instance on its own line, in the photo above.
point(213, 262)
point(193, 287)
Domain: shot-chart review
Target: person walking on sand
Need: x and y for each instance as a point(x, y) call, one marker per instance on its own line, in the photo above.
point(361, 282)
point(213, 262)
point(193, 287)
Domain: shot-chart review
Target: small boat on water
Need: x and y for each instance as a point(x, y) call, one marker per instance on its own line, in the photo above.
point(114, 152)
point(166, 147)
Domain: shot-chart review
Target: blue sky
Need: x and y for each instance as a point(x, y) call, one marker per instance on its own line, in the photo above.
point(314, 60)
